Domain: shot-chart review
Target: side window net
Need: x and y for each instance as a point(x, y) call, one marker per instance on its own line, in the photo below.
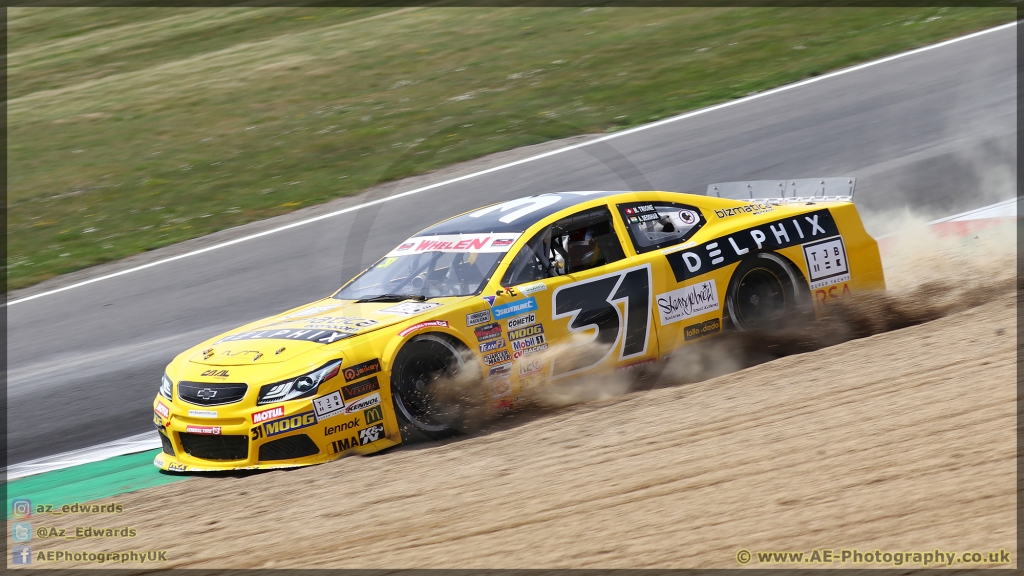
point(574, 244)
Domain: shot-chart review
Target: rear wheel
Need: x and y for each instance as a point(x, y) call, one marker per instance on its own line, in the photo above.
point(435, 387)
point(766, 293)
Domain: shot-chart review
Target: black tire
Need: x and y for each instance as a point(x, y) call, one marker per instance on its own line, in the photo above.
point(435, 388)
point(766, 293)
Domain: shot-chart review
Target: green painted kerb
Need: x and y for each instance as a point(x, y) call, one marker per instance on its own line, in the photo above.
point(87, 482)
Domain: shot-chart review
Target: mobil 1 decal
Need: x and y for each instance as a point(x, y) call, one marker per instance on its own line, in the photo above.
point(592, 307)
point(734, 247)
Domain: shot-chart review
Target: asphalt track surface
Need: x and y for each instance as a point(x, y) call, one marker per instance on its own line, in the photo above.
point(934, 132)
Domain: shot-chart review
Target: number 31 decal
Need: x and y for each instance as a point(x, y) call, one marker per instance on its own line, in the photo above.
point(591, 305)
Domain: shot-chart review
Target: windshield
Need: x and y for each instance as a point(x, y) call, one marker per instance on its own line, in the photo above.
point(431, 267)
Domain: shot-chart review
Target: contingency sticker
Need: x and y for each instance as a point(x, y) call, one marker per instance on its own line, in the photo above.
point(826, 262)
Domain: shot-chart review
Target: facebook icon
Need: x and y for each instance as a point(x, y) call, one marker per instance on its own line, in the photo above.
point(21, 555)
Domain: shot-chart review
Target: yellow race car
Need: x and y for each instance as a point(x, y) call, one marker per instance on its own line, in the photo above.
point(502, 301)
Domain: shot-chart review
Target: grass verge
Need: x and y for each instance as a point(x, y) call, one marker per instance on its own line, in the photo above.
point(132, 129)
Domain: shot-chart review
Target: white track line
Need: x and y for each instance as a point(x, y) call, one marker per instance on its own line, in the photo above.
point(130, 445)
point(150, 440)
point(523, 161)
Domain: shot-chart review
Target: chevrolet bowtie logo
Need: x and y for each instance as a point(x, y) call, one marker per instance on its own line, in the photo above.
point(206, 393)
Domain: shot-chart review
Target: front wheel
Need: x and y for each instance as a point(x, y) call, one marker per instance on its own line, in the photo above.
point(765, 293)
point(435, 387)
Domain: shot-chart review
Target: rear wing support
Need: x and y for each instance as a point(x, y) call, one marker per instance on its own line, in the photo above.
point(835, 189)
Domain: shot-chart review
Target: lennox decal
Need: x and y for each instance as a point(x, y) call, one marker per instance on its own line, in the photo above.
point(687, 264)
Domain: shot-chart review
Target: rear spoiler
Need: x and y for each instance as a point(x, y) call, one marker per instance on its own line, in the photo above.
point(838, 189)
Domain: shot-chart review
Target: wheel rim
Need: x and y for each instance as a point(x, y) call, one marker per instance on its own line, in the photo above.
point(761, 299)
point(415, 386)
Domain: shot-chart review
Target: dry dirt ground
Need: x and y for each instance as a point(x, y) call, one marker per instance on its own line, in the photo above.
point(902, 441)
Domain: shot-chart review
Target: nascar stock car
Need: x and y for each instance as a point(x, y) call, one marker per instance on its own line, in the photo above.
point(516, 296)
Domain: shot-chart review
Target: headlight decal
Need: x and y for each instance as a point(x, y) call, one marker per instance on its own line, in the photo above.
point(165, 387)
point(301, 386)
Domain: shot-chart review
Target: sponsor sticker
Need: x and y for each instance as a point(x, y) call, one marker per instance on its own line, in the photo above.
point(363, 403)
point(751, 208)
point(162, 409)
point(533, 288)
point(699, 330)
point(688, 217)
point(492, 345)
point(826, 262)
point(502, 387)
point(409, 308)
point(351, 391)
point(687, 302)
point(375, 414)
point(309, 311)
point(500, 371)
point(497, 357)
point(371, 434)
point(481, 317)
point(528, 342)
point(488, 332)
point(215, 373)
point(357, 371)
point(521, 321)
point(732, 248)
point(328, 406)
point(289, 423)
point(831, 293)
point(480, 243)
point(529, 351)
point(527, 367)
point(344, 444)
point(157, 420)
point(525, 331)
point(339, 323)
point(192, 429)
point(530, 383)
point(203, 413)
point(489, 300)
point(303, 334)
point(422, 325)
point(514, 308)
point(264, 415)
point(636, 365)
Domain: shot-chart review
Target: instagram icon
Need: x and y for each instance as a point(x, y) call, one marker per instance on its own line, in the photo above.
point(21, 508)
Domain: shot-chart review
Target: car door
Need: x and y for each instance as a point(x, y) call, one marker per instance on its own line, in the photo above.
point(575, 302)
point(682, 311)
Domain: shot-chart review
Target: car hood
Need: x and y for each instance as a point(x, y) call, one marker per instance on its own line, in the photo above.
point(279, 338)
